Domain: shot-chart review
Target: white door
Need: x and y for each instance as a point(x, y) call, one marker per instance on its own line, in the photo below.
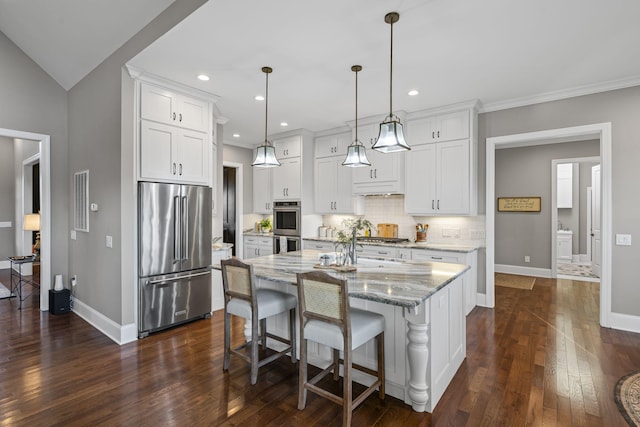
point(596, 242)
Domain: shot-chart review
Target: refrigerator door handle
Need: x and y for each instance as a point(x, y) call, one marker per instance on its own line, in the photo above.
point(177, 256)
point(185, 226)
point(173, 279)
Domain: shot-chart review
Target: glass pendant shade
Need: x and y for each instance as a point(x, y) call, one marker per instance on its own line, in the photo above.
point(356, 156)
point(266, 157)
point(391, 137)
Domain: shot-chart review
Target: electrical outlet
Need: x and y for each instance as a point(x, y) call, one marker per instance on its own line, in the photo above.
point(109, 241)
point(477, 234)
point(527, 258)
point(73, 234)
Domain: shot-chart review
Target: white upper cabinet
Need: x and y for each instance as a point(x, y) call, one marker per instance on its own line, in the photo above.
point(168, 153)
point(332, 181)
point(564, 178)
point(333, 145)
point(164, 106)
point(286, 179)
point(445, 127)
point(262, 191)
point(385, 175)
point(441, 166)
point(288, 147)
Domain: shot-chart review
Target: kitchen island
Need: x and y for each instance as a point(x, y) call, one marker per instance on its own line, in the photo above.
point(425, 332)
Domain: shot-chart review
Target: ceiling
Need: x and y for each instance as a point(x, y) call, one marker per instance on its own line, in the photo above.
point(500, 52)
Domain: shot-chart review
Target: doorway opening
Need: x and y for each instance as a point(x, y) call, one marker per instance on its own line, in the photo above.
point(229, 213)
point(44, 189)
point(601, 132)
point(575, 219)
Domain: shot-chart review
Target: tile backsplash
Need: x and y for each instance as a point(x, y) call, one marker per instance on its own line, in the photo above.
point(442, 229)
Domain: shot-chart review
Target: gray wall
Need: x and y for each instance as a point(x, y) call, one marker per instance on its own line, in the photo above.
point(95, 140)
point(32, 101)
point(7, 195)
point(622, 109)
point(527, 171)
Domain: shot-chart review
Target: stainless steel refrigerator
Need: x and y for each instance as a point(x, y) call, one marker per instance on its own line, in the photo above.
point(174, 254)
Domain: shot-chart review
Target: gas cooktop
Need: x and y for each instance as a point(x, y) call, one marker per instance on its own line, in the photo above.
point(366, 239)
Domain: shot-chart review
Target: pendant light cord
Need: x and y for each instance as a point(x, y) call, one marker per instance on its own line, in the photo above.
point(356, 141)
point(391, 76)
point(266, 109)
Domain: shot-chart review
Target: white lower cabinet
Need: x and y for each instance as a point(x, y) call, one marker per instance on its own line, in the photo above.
point(469, 279)
point(255, 246)
point(318, 246)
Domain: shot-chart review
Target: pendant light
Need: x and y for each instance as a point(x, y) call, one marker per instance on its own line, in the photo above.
point(356, 155)
point(266, 153)
point(391, 137)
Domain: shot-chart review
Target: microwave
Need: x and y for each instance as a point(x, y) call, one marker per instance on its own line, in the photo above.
point(286, 218)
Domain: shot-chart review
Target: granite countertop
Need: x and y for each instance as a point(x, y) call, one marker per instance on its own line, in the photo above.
point(450, 247)
point(405, 284)
point(221, 246)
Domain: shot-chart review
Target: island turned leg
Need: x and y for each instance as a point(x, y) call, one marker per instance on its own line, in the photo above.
point(418, 357)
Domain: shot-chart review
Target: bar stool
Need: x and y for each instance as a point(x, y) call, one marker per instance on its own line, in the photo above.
point(326, 318)
point(243, 299)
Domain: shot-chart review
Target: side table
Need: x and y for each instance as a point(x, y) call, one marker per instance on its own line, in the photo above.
point(17, 279)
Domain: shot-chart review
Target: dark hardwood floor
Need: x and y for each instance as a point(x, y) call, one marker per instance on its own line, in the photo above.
point(538, 358)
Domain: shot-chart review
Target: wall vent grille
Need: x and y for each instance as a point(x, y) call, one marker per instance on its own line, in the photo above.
point(81, 201)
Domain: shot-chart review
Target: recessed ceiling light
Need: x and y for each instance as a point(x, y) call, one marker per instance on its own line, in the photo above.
point(203, 77)
point(413, 92)
point(236, 135)
point(284, 124)
point(259, 98)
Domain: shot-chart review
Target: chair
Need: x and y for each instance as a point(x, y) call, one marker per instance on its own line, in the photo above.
point(242, 298)
point(326, 318)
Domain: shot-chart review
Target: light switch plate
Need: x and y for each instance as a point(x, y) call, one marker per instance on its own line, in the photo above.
point(73, 234)
point(109, 241)
point(623, 239)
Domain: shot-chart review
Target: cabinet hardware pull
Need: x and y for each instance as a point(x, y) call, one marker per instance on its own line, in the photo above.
point(180, 117)
point(174, 168)
point(433, 135)
point(375, 173)
point(436, 257)
point(180, 169)
point(438, 134)
point(438, 204)
point(371, 173)
point(174, 116)
point(432, 204)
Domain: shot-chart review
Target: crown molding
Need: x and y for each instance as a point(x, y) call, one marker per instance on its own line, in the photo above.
point(560, 94)
point(142, 75)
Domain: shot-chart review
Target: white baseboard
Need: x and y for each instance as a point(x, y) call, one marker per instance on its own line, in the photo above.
point(523, 271)
point(625, 322)
point(120, 334)
point(5, 264)
point(481, 300)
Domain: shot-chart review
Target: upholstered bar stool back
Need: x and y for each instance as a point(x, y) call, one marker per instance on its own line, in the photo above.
point(326, 318)
point(242, 298)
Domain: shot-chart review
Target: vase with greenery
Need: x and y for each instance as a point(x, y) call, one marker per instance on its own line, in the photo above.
point(347, 239)
point(265, 225)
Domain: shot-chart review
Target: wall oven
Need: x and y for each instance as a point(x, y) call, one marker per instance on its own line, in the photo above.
point(286, 219)
point(282, 244)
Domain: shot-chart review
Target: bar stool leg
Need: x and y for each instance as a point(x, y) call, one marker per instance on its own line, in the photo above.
point(347, 401)
point(292, 334)
point(227, 340)
point(380, 343)
point(254, 350)
point(302, 373)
